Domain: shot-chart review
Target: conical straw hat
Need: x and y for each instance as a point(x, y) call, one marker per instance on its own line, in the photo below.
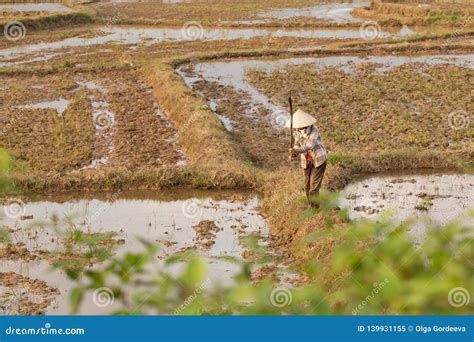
point(301, 119)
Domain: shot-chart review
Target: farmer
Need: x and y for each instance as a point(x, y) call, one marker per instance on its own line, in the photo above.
point(311, 150)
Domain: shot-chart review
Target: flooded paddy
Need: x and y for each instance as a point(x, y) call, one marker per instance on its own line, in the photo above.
point(433, 199)
point(337, 12)
point(35, 7)
point(177, 222)
point(103, 40)
point(145, 36)
point(233, 12)
point(240, 102)
point(211, 223)
point(86, 120)
point(234, 73)
point(78, 114)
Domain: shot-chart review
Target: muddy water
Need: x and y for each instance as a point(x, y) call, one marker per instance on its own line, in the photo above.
point(432, 198)
point(337, 12)
point(167, 220)
point(39, 7)
point(233, 73)
point(150, 36)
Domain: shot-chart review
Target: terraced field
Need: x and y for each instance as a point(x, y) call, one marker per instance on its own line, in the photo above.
point(130, 121)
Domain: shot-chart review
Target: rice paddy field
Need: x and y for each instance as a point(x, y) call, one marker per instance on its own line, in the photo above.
point(164, 121)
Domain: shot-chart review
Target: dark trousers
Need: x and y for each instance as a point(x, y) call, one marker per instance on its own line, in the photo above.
point(313, 177)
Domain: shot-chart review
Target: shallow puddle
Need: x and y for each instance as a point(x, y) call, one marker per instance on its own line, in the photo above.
point(59, 105)
point(233, 73)
point(436, 198)
point(337, 12)
point(177, 222)
point(37, 7)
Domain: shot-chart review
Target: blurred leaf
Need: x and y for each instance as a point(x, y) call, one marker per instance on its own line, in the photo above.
point(194, 273)
point(76, 296)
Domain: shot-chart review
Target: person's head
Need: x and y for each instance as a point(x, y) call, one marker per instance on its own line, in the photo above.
point(301, 121)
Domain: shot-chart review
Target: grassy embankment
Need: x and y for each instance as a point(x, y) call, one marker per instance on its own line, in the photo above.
point(455, 15)
point(32, 21)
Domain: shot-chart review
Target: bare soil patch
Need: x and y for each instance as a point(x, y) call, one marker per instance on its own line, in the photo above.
point(210, 12)
point(25, 296)
point(65, 121)
point(206, 233)
point(367, 111)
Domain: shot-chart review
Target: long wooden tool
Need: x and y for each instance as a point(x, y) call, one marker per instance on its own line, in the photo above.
point(290, 101)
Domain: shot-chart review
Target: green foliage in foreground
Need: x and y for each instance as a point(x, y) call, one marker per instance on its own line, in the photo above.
point(376, 269)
